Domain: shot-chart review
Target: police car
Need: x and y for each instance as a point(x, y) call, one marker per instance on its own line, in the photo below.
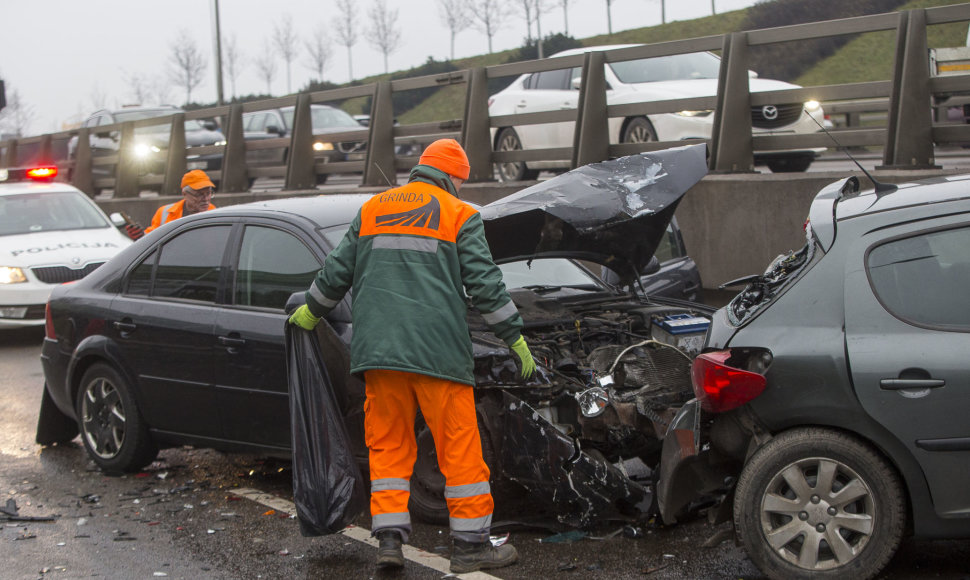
point(50, 233)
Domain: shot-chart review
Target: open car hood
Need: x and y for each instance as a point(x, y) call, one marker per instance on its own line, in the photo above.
point(613, 213)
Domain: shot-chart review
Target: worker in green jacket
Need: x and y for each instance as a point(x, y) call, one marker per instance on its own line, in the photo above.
point(411, 255)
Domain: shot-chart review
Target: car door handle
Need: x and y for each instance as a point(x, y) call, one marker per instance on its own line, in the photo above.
point(522, 105)
point(901, 384)
point(125, 326)
point(231, 342)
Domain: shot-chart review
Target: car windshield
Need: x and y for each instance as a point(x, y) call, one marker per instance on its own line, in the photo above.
point(325, 118)
point(123, 116)
point(547, 273)
point(677, 67)
point(48, 211)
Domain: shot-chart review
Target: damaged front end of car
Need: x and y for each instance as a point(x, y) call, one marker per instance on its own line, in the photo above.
point(585, 434)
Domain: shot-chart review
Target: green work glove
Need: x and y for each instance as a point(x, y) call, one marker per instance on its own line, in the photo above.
point(521, 350)
point(303, 318)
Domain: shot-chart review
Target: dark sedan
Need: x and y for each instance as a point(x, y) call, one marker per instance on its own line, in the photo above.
point(179, 340)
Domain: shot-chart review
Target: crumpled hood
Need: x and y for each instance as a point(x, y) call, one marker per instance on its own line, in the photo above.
point(613, 213)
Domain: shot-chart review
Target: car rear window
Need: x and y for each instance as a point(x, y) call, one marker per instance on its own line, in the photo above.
point(48, 211)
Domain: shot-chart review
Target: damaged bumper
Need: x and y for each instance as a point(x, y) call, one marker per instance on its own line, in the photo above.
point(583, 487)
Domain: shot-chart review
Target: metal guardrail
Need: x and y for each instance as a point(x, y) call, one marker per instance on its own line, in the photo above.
point(905, 101)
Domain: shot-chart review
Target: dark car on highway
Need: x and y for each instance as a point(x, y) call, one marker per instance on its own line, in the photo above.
point(180, 339)
point(150, 147)
point(833, 393)
point(325, 121)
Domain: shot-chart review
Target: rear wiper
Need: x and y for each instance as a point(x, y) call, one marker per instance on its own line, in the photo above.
point(740, 281)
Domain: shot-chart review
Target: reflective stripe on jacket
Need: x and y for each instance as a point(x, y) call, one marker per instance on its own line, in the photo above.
point(411, 255)
point(169, 213)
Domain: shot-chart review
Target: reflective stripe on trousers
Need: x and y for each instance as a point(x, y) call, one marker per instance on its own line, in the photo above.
point(393, 398)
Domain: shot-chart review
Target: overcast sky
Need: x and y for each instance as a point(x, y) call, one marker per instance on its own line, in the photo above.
point(60, 55)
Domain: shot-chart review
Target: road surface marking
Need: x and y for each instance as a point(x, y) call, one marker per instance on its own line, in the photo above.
point(411, 553)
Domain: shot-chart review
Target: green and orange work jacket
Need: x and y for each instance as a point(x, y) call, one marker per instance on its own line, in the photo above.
point(411, 255)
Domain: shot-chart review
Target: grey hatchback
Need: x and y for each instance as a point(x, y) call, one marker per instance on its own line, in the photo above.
point(833, 392)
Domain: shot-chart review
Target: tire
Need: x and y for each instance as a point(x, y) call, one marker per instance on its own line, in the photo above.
point(112, 429)
point(639, 130)
point(779, 488)
point(793, 164)
point(322, 178)
point(508, 140)
point(427, 501)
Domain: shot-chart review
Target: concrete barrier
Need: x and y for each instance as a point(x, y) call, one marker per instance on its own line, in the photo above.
point(733, 224)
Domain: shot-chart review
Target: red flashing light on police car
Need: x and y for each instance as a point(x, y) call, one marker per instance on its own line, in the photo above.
point(42, 173)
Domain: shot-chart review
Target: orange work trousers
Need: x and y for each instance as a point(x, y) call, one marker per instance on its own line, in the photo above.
point(393, 398)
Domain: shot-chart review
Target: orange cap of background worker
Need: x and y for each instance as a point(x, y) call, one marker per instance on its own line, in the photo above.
point(448, 156)
point(197, 179)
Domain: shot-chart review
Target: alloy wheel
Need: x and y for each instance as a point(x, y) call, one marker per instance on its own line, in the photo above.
point(817, 513)
point(103, 420)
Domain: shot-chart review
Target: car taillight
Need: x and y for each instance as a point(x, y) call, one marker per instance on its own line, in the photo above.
point(720, 387)
point(49, 323)
point(42, 173)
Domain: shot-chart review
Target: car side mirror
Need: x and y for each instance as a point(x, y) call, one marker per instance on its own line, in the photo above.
point(210, 125)
point(752, 74)
point(117, 219)
point(577, 83)
point(275, 130)
point(103, 135)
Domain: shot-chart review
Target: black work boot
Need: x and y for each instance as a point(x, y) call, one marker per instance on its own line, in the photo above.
point(472, 556)
point(389, 553)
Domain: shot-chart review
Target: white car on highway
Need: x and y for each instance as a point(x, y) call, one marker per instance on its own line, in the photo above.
point(50, 233)
point(661, 78)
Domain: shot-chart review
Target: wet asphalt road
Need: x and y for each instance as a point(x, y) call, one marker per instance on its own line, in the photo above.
point(186, 517)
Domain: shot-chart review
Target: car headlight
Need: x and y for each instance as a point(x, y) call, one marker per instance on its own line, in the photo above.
point(322, 146)
point(220, 143)
point(694, 113)
point(11, 275)
point(144, 149)
point(811, 106)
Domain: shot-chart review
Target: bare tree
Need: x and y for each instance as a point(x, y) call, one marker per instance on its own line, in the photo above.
point(233, 58)
point(285, 41)
point(99, 99)
point(160, 90)
point(138, 88)
point(538, 8)
point(525, 8)
point(609, 18)
point(454, 14)
point(565, 15)
point(186, 63)
point(319, 49)
point(713, 9)
point(488, 16)
point(346, 26)
point(17, 116)
point(383, 33)
point(266, 66)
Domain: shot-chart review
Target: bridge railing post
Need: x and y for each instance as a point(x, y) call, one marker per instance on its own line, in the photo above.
point(235, 173)
point(175, 167)
point(299, 164)
point(909, 133)
point(379, 167)
point(475, 130)
point(731, 146)
point(591, 136)
point(82, 176)
point(10, 155)
point(126, 170)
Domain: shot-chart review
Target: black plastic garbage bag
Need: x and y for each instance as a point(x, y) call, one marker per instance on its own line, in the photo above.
point(328, 487)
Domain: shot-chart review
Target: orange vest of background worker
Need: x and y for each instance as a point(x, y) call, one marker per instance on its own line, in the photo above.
point(197, 190)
